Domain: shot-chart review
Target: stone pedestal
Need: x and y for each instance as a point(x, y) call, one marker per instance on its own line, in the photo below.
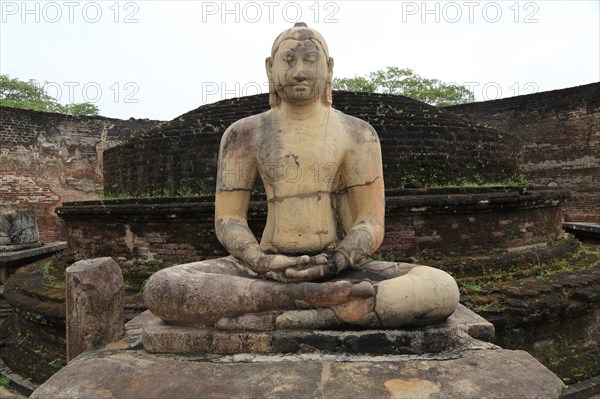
point(159, 337)
point(469, 368)
point(13, 258)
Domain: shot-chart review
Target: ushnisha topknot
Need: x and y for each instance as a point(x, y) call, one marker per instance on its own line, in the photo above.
point(300, 31)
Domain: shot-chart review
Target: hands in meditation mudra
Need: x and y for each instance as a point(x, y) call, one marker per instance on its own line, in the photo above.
point(322, 174)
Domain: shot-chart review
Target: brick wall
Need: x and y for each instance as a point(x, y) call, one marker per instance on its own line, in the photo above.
point(560, 130)
point(431, 222)
point(47, 158)
point(419, 143)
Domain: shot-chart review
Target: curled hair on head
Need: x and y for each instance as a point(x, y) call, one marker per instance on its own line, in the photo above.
point(300, 31)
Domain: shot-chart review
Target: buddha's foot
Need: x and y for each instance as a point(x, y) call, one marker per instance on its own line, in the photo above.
point(424, 295)
point(354, 312)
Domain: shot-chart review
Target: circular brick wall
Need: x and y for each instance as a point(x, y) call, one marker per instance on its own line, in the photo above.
point(419, 143)
point(418, 221)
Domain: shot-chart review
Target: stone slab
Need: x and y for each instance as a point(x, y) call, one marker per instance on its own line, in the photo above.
point(483, 373)
point(159, 337)
point(9, 257)
point(477, 369)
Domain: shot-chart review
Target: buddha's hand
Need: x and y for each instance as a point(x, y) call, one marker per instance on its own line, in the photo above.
point(319, 267)
point(266, 264)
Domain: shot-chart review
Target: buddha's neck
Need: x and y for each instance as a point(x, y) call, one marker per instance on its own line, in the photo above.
point(306, 112)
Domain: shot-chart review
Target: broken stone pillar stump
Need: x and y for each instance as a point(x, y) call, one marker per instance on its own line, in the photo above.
point(94, 296)
point(18, 230)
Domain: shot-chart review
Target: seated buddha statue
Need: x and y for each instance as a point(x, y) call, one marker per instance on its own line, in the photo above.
point(322, 175)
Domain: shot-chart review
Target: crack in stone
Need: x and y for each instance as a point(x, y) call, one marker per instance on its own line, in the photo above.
point(345, 189)
point(325, 375)
point(228, 190)
point(303, 195)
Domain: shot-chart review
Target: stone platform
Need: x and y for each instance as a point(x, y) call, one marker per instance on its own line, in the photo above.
point(586, 231)
point(159, 337)
point(14, 256)
point(470, 368)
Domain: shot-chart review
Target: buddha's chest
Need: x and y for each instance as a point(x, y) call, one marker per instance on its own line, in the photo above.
point(296, 156)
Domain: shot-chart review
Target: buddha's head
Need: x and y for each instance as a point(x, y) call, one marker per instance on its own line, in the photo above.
point(299, 68)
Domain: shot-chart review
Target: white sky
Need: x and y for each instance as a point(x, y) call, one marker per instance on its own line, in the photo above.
point(159, 59)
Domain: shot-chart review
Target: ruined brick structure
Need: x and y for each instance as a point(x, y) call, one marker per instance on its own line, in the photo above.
point(560, 130)
point(419, 142)
point(48, 158)
point(433, 222)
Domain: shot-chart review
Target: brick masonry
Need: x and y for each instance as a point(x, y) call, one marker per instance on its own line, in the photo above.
point(425, 222)
point(560, 130)
point(419, 143)
point(48, 158)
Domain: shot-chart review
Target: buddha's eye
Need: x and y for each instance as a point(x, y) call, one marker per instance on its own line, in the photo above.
point(311, 57)
point(289, 58)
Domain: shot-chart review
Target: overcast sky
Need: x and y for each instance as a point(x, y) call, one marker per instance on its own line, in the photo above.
point(159, 59)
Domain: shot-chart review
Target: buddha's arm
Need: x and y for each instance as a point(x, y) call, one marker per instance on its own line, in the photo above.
point(363, 178)
point(368, 206)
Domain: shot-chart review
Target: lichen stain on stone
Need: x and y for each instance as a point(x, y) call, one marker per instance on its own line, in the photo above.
point(411, 389)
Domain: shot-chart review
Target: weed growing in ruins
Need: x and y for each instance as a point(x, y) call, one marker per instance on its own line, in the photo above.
point(57, 364)
point(387, 257)
point(473, 285)
point(188, 192)
point(5, 381)
point(48, 278)
point(484, 307)
point(479, 182)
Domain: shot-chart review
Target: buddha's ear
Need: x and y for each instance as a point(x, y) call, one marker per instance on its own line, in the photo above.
point(273, 96)
point(330, 68)
point(269, 67)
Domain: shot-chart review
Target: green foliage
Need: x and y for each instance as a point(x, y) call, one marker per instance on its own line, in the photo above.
point(57, 364)
point(357, 83)
point(5, 381)
point(29, 95)
point(406, 82)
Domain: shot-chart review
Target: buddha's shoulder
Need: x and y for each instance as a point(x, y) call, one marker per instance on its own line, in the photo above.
point(249, 123)
point(356, 128)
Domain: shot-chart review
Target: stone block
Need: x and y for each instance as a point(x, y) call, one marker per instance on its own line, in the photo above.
point(469, 374)
point(18, 230)
point(160, 337)
point(94, 296)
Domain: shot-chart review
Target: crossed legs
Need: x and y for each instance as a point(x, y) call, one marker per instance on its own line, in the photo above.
point(225, 294)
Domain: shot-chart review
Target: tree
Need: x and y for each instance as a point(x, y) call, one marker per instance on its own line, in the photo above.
point(29, 95)
point(406, 82)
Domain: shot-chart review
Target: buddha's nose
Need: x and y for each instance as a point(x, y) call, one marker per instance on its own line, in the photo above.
point(300, 74)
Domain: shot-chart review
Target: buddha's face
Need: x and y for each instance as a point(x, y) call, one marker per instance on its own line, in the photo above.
point(299, 70)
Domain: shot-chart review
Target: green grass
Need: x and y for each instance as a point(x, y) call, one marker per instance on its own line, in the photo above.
point(474, 285)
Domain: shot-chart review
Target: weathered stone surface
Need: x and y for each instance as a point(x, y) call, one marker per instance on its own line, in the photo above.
point(135, 374)
point(94, 296)
point(18, 228)
point(159, 337)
